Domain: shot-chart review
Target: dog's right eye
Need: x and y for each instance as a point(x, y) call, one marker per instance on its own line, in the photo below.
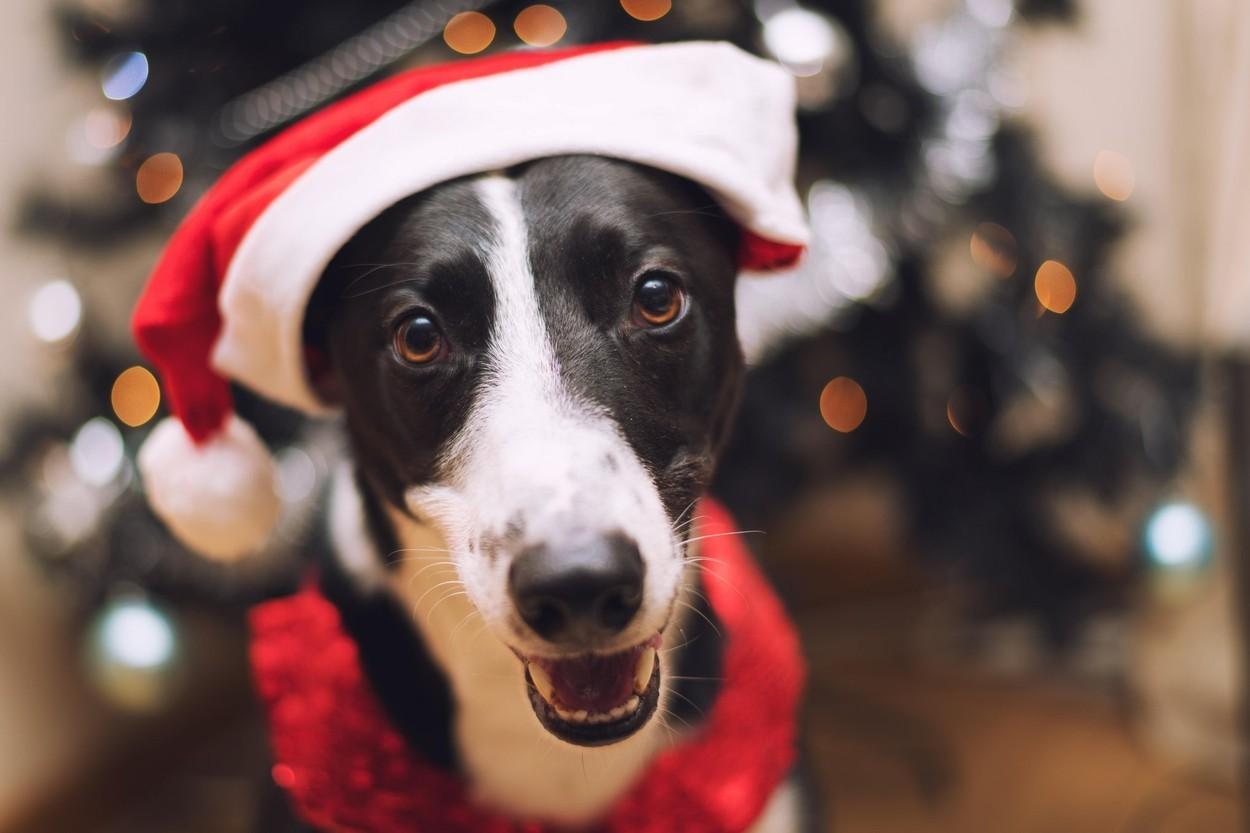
point(418, 340)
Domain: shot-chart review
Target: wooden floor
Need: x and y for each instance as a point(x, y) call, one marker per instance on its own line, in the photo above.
point(904, 752)
point(896, 745)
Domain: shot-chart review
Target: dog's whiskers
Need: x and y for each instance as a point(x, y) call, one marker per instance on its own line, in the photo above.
point(454, 581)
point(692, 703)
point(705, 617)
point(429, 615)
point(688, 541)
point(695, 679)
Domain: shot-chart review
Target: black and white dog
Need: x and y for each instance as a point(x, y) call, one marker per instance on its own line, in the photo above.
point(537, 368)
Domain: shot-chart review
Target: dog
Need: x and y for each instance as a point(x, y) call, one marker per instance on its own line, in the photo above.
point(537, 368)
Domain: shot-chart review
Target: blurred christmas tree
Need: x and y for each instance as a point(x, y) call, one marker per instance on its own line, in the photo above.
point(955, 321)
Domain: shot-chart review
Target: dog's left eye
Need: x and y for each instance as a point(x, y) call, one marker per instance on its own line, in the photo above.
point(418, 339)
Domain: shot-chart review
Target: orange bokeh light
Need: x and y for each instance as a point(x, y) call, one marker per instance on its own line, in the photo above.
point(469, 32)
point(964, 410)
point(647, 9)
point(159, 178)
point(993, 248)
point(135, 396)
point(1055, 287)
point(540, 25)
point(843, 404)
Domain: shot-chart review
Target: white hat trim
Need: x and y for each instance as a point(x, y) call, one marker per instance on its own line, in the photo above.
point(706, 111)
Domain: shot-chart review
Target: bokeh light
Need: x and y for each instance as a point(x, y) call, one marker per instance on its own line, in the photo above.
point(539, 25)
point(965, 411)
point(159, 178)
point(800, 39)
point(992, 13)
point(1055, 287)
point(1178, 536)
point(136, 635)
point(469, 32)
point(132, 651)
point(1114, 175)
point(124, 75)
point(843, 404)
point(97, 137)
point(647, 9)
point(106, 128)
point(994, 249)
point(97, 452)
point(55, 311)
point(297, 474)
point(135, 396)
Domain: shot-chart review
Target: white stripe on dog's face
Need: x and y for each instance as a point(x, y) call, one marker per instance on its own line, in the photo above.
point(534, 466)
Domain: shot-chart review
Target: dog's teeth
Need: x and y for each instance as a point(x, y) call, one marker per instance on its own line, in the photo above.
point(646, 665)
point(632, 704)
point(542, 682)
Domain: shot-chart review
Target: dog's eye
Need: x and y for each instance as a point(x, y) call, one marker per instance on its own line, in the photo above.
point(418, 340)
point(658, 300)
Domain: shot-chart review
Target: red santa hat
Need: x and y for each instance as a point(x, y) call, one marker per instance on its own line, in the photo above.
point(226, 302)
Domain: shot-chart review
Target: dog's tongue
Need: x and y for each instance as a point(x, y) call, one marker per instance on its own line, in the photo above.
point(593, 683)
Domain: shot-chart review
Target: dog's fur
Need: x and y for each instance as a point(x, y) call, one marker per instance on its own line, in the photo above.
point(552, 419)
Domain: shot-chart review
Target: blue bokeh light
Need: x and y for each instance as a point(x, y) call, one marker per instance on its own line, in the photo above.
point(124, 75)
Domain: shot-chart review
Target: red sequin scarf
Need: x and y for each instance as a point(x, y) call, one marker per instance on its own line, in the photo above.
point(347, 770)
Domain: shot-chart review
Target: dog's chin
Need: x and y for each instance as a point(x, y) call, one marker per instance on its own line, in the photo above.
point(595, 699)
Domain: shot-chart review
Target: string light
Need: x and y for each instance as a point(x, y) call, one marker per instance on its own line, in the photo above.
point(316, 82)
point(124, 75)
point(1055, 287)
point(159, 178)
point(54, 312)
point(1114, 175)
point(993, 248)
point(469, 33)
point(647, 10)
point(843, 404)
point(135, 396)
point(539, 25)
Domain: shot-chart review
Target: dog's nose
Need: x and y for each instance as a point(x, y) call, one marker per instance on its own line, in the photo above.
point(578, 594)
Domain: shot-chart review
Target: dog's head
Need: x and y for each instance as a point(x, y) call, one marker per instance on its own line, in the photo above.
point(542, 364)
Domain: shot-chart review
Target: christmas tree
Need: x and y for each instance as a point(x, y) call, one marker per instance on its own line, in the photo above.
point(956, 321)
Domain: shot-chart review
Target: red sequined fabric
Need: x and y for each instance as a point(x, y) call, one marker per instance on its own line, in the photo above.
point(347, 770)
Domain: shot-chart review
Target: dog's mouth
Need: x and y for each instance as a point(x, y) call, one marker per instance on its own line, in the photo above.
point(595, 699)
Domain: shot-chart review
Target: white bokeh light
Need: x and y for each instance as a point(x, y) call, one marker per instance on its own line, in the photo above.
point(136, 635)
point(297, 475)
point(1177, 535)
point(54, 311)
point(97, 452)
point(800, 39)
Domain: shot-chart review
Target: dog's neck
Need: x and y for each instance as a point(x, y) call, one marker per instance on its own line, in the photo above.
point(509, 760)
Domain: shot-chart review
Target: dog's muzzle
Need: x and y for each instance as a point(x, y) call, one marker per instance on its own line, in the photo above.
point(579, 599)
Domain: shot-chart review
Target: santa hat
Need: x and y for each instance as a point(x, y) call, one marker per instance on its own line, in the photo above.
point(226, 302)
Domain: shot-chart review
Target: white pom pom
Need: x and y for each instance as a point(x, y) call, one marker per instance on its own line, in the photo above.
point(218, 498)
